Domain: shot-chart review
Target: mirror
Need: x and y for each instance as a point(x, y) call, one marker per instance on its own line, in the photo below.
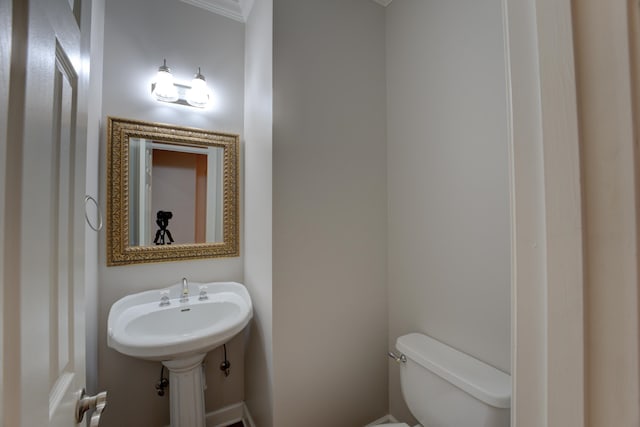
point(172, 193)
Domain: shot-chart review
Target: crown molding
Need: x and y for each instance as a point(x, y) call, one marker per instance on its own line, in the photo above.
point(239, 9)
point(235, 9)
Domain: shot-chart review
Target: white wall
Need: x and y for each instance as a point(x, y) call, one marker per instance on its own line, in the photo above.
point(138, 35)
point(258, 213)
point(448, 206)
point(329, 214)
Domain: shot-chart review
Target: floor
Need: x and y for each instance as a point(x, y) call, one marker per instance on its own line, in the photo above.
point(238, 424)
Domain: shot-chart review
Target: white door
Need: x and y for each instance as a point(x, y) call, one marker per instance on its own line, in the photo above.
point(43, 184)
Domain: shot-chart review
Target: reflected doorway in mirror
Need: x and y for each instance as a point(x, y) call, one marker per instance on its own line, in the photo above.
point(186, 180)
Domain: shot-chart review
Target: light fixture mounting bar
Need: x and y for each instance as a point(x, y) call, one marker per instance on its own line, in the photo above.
point(182, 94)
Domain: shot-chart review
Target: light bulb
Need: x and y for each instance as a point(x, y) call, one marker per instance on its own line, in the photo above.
point(163, 88)
point(198, 95)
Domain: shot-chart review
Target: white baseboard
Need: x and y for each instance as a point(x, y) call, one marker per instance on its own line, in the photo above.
point(229, 415)
point(386, 419)
point(248, 421)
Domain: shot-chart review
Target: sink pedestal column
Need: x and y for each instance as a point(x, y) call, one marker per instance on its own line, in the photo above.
point(186, 391)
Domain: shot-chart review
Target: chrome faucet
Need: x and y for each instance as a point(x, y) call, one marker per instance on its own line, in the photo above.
point(185, 290)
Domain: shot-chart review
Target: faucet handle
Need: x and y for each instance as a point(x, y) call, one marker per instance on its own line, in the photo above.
point(164, 298)
point(203, 293)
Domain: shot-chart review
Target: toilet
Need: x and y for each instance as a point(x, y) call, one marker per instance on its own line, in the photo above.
point(444, 387)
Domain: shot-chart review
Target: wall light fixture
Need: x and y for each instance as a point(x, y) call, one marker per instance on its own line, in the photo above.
point(198, 95)
point(165, 89)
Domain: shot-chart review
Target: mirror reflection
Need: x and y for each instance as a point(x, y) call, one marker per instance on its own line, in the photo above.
point(175, 193)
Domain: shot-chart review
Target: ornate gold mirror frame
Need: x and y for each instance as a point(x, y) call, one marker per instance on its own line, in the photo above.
point(119, 250)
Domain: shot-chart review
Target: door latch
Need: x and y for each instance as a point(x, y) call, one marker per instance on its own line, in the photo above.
point(87, 403)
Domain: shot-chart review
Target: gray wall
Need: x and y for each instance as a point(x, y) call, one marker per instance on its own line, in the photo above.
point(258, 217)
point(449, 258)
point(329, 214)
point(138, 35)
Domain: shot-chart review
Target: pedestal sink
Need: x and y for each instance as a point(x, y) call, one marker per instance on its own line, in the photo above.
point(178, 326)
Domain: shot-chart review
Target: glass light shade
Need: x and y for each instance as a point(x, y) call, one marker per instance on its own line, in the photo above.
point(198, 95)
point(164, 89)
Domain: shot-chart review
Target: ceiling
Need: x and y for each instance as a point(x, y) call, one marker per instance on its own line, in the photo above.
point(239, 9)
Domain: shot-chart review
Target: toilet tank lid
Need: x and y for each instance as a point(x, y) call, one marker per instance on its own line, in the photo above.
point(480, 380)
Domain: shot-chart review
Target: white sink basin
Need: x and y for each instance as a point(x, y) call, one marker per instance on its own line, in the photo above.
point(138, 326)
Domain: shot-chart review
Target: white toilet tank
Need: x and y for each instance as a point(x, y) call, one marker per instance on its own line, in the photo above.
point(444, 387)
